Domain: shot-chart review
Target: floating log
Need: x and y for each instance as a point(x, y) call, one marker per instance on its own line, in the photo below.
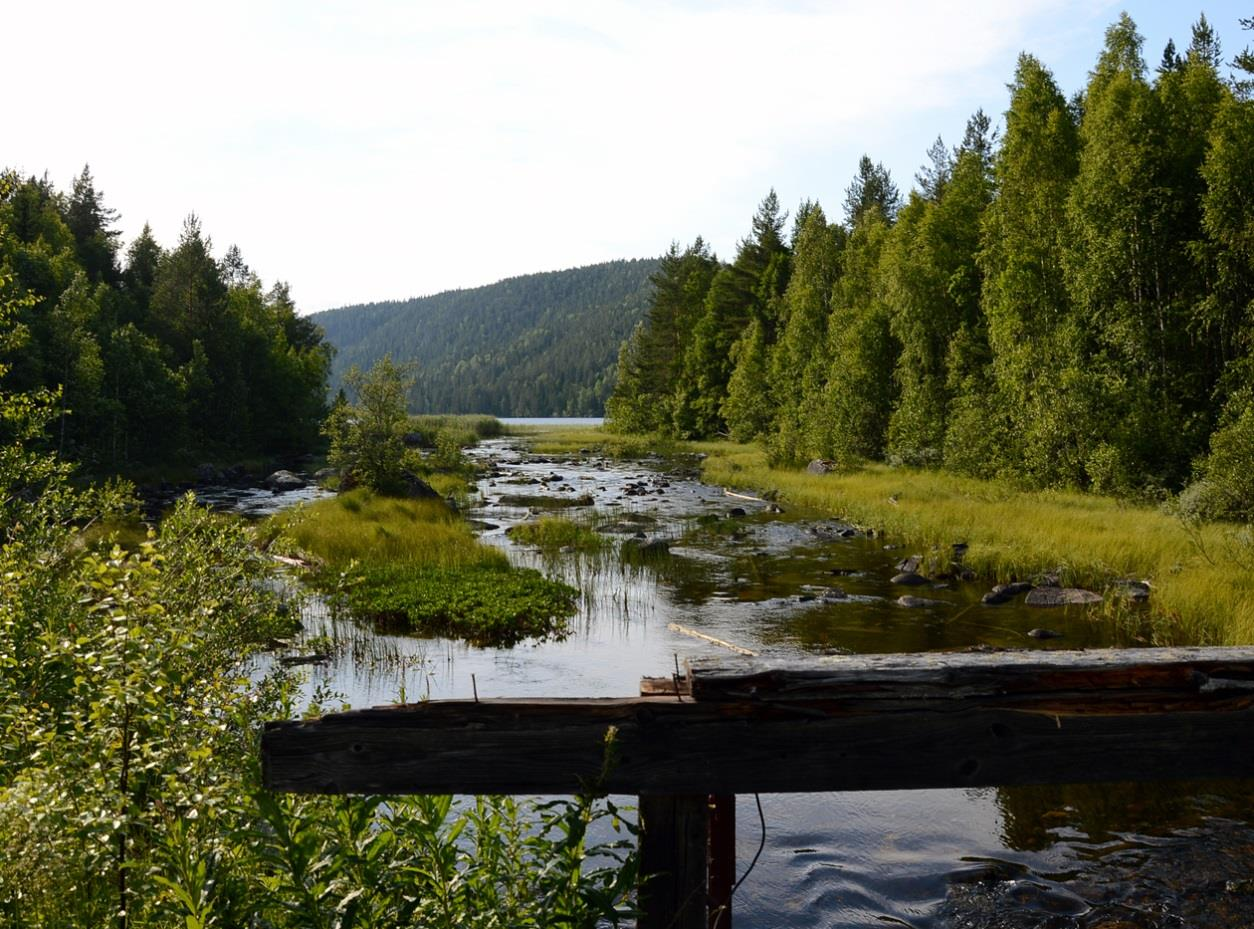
point(693, 633)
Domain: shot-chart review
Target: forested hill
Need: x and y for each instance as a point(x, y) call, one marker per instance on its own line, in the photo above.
point(536, 345)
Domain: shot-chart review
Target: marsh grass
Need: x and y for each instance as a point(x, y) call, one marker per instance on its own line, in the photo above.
point(1202, 575)
point(598, 440)
point(553, 533)
point(362, 526)
point(415, 565)
point(465, 429)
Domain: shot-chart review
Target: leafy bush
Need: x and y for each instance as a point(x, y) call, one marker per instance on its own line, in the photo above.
point(1226, 489)
point(484, 604)
point(367, 436)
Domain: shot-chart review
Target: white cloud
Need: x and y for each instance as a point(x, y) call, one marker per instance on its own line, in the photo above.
point(377, 149)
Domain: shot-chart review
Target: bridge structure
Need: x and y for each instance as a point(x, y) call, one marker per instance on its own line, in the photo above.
point(687, 744)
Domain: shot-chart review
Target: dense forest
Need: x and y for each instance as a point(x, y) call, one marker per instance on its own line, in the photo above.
point(536, 345)
point(155, 356)
point(1066, 303)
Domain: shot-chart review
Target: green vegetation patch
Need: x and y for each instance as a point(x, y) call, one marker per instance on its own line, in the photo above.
point(555, 532)
point(465, 429)
point(1202, 575)
point(544, 501)
point(483, 604)
point(417, 564)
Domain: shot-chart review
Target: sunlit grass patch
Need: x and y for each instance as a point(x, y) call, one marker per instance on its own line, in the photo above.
point(417, 564)
point(552, 533)
point(465, 429)
point(1202, 576)
point(363, 526)
point(598, 440)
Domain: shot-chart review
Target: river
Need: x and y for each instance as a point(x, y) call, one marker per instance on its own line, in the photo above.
point(793, 584)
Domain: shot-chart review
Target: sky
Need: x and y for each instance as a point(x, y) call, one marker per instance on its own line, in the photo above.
point(382, 149)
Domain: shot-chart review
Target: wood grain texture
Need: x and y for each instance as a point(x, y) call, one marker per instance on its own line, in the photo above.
point(960, 675)
point(668, 746)
point(673, 837)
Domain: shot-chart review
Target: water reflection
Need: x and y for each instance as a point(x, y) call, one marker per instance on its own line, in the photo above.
point(793, 584)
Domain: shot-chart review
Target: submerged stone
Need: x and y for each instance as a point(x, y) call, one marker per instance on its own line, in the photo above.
point(1062, 596)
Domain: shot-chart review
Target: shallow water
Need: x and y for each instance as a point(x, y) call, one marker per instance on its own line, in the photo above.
point(1083, 856)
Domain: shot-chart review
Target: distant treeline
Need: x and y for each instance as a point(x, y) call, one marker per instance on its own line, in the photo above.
point(1067, 305)
point(160, 356)
point(536, 345)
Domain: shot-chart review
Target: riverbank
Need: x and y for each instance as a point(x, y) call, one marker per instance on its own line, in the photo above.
point(1201, 576)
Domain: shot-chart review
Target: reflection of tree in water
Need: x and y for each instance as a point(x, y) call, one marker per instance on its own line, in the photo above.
point(1133, 856)
point(1032, 817)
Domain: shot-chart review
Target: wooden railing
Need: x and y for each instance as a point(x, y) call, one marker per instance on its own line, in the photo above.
point(687, 745)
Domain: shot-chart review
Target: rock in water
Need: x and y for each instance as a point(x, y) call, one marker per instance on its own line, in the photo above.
point(910, 579)
point(1062, 596)
point(284, 480)
point(1133, 591)
point(918, 602)
point(910, 565)
point(1044, 634)
point(208, 474)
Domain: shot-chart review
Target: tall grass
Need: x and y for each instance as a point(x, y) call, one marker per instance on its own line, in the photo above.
point(416, 564)
point(1202, 575)
point(360, 525)
point(466, 429)
point(553, 533)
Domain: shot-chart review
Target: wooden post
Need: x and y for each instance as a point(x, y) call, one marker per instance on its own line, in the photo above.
point(722, 859)
point(674, 832)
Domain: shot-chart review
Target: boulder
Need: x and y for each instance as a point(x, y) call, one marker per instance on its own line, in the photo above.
point(325, 474)
point(919, 602)
point(284, 480)
point(1013, 589)
point(820, 466)
point(1061, 596)
point(910, 565)
point(1044, 634)
point(910, 579)
point(208, 474)
point(416, 488)
point(1132, 591)
point(834, 595)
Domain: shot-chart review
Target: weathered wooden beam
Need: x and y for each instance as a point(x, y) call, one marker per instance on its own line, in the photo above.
point(673, 836)
point(722, 860)
point(875, 723)
point(961, 675)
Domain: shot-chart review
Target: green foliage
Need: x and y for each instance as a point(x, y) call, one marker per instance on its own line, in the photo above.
point(364, 526)
point(130, 711)
point(1070, 305)
point(483, 604)
point(367, 435)
point(171, 359)
point(416, 564)
point(466, 429)
point(1225, 489)
point(537, 345)
point(747, 409)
